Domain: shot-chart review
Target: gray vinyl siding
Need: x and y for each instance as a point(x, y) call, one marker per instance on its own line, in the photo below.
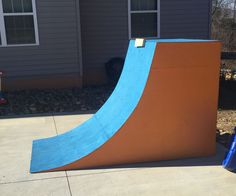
point(104, 30)
point(185, 19)
point(104, 33)
point(104, 26)
point(57, 52)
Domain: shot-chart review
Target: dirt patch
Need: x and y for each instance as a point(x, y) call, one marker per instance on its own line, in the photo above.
point(226, 121)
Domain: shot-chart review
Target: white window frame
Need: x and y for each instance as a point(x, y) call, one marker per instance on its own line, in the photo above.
point(3, 29)
point(144, 11)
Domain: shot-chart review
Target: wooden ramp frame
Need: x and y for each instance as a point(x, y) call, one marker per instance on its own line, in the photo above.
point(164, 107)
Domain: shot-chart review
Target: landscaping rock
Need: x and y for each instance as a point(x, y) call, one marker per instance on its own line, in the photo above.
point(27, 102)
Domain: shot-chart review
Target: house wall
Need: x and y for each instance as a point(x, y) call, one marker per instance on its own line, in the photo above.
point(104, 32)
point(104, 25)
point(185, 19)
point(55, 61)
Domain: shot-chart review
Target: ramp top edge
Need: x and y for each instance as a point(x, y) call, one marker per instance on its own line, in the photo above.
point(180, 40)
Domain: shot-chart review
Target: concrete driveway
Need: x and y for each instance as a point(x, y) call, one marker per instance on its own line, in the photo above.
point(202, 176)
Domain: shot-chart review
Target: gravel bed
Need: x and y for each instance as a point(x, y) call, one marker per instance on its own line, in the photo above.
point(226, 121)
point(27, 102)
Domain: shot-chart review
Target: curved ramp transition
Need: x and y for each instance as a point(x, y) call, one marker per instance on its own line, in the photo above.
point(163, 107)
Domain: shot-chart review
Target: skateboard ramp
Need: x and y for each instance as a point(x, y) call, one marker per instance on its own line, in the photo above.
point(163, 107)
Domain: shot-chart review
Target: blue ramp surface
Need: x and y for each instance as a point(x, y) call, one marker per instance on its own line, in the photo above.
point(55, 152)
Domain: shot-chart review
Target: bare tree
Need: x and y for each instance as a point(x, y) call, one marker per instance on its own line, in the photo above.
point(217, 4)
point(235, 11)
point(224, 23)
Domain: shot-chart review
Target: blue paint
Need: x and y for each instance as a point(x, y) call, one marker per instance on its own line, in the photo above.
point(67, 148)
point(230, 160)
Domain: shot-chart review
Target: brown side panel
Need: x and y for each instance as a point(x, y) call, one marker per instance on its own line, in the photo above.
point(176, 116)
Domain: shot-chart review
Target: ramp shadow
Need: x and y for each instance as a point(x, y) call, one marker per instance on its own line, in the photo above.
point(215, 160)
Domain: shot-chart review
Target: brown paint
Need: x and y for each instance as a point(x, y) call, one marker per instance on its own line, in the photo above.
point(176, 116)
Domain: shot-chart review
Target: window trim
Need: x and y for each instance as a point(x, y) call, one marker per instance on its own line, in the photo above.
point(144, 11)
point(3, 31)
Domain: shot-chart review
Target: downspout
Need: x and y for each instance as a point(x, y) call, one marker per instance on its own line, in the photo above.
point(79, 40)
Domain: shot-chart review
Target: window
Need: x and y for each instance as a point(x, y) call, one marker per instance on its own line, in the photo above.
point(18, 23)
point(144, 17)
